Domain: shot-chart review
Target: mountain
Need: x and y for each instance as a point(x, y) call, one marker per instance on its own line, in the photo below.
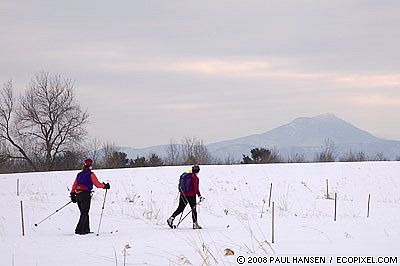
point(304, 135)
point(307, 135)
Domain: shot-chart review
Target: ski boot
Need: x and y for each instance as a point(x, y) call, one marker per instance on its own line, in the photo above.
point(196, 226)
point(170, 222)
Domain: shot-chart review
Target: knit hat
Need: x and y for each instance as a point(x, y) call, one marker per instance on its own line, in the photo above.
point(88, 162)
point(195, 169)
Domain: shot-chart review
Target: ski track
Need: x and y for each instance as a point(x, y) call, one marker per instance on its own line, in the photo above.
point(140, 201)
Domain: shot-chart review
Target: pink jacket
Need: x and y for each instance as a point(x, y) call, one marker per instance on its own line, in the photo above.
point(95, 182)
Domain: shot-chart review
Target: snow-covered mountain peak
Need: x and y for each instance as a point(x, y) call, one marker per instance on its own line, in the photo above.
point(323, 118)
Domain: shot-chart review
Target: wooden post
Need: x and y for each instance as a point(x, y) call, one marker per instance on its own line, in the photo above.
point(369, 200)
point(273, 222)
point(270, 195)
point(17, 186)
point(22, 219)
point(335, 206)
point(327, 189)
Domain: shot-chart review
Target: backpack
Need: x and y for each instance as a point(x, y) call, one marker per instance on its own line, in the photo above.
point(186, 182)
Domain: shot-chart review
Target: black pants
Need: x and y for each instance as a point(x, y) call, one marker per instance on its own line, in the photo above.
point(183, 201)
point(83, 199)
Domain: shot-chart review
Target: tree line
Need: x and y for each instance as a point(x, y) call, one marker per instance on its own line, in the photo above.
point(326, 154)
point(43, 128)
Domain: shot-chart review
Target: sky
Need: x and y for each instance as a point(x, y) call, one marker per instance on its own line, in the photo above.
point(152, 72)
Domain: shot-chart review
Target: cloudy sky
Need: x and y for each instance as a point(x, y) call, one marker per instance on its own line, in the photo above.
point(152, 71)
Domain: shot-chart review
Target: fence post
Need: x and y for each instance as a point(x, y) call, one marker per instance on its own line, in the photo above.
point(22, 219)
point(270, 195)
point(335, 206)
point(327, 189)
point(369, 200)
point(17, 186)
point(273, 222)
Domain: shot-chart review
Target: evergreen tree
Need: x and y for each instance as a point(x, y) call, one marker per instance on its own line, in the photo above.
point(138, 162)
point(154, 160)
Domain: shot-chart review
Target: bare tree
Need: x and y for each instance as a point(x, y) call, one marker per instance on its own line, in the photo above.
point(93, 152)
point(229, 160)
point(108, 150)
point(14, 146)
point(195, 152)
point(296, 158)
point(4, 158)
point(173, 154)
point(354, 157)
point(379, 156)
point(328, 153)
point(45, 122)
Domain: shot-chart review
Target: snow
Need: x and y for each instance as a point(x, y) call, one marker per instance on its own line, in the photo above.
point(235, 215)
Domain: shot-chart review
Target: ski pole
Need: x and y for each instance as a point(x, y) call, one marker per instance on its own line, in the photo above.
point(102, 209)
point(52, 214)
point(181, 220)
point(191, 209)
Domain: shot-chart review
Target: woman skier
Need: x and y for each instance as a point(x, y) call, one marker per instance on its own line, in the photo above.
point(81, 194)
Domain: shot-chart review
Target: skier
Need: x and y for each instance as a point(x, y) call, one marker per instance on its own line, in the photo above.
point(81, 194)
point(188, 197)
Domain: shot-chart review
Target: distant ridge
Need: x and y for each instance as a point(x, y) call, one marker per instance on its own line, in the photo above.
point(304, 135)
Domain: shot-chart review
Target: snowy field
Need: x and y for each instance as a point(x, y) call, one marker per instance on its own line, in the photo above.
point(235, 215)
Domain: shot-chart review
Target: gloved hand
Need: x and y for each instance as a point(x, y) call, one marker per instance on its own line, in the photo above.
point(202, 198)
point(73, 197)
point(106, 185)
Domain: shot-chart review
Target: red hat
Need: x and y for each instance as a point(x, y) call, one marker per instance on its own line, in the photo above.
point(88, 162)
